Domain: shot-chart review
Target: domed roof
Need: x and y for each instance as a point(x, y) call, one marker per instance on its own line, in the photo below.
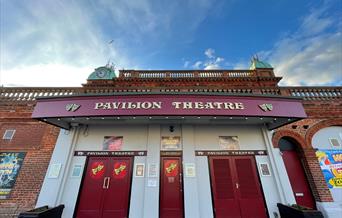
point(256, 63)
point(105, 72)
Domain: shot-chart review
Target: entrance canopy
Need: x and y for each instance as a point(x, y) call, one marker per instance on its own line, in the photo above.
point(65, 112)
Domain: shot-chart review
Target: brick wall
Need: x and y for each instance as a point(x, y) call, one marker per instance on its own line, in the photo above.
point(302, 132)
point(35, 138)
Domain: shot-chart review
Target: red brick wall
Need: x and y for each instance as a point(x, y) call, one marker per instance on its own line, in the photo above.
point(35, 138)
point(302, 132)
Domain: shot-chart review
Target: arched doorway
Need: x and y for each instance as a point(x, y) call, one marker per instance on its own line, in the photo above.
point(296, 173)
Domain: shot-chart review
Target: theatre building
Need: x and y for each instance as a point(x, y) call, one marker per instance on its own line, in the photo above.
point(218, 143)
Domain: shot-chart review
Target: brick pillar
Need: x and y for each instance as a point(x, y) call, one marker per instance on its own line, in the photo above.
point(315, 176)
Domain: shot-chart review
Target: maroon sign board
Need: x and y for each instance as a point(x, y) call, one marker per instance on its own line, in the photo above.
point(168, 105)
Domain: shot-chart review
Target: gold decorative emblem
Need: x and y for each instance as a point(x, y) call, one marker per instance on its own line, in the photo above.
point(72, 107)
point(97, 169)
point(171, 167)
point(117, 171)
point(266, 107)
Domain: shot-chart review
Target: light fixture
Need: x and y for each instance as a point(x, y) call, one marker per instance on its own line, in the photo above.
point(134, 118)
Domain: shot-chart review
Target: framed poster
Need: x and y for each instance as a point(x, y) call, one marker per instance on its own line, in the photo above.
point(264, 169)
point(229, 142)
point(190, 170)
point(112, 143)
point(139, 170)
point(76, 171)
point(54, 171)
point(10, 164)
point(152, 170)
point(171, 143)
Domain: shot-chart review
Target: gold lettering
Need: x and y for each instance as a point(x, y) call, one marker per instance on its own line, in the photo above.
point(239, 106)
point(187, 105)
point(218, 105)
point(209, 105)
point(199, 105)
point(116, 105)
point(106, 106)
point(146, 105)
point(156, 105)
point(228, 105)
point(98, 105)
point(176, 104)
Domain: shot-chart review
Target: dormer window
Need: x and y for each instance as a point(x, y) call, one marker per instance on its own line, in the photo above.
point(8, 135)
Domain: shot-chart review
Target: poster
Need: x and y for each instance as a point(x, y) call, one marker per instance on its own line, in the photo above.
point(139, 170)
point(112, 143)
point(152, 170)
point(170, 143)
point(331, 165)
point(10, 164)
point(229, 142)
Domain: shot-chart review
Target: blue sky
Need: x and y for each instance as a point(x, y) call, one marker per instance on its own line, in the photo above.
point(60, 42)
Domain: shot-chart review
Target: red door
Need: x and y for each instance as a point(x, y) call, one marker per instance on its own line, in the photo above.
point(298, 179)
point(171, 194)
point(106, 187)
point(236, 188)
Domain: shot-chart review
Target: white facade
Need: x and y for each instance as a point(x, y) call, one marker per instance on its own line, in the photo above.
point(146, 137)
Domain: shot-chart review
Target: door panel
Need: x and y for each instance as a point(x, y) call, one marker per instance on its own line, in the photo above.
point(106, 188)
point(298, 179)
point(171, 194)
point(116, 198)
point(90, 204)
point(236, 188)
point(249, 188)
point(223, 188)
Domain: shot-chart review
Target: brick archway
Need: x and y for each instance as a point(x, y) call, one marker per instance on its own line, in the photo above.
point(291, 134)
point(318, 126)
point(311, 166)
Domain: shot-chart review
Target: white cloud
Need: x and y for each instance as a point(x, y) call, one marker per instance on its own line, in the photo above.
point(186, 64)
point(210, 53)
point(47, 75)
point(212, 62)
point(313, 54)
point(197, 64)
point(74, 34)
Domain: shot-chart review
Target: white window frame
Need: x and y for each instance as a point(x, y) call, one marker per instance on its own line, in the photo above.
point(7, 132)
point(338, 141)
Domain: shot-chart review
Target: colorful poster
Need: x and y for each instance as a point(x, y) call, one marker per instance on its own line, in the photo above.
point(331, 165)
point(10, 164)
point(112, 143)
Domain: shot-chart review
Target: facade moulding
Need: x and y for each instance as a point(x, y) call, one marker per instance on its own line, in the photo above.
point(320, 125)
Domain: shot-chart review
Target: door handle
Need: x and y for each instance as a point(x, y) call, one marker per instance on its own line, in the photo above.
point(237, 185)
point(108, 181)
point(104, 182)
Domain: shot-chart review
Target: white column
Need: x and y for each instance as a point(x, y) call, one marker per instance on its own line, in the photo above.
point(151, 194)
point(137, 191)
point(52, 188)
point(278, 169)
point(191, 204)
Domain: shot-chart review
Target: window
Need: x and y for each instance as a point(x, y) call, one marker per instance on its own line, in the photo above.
point(9, 133)
point(334, 142)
